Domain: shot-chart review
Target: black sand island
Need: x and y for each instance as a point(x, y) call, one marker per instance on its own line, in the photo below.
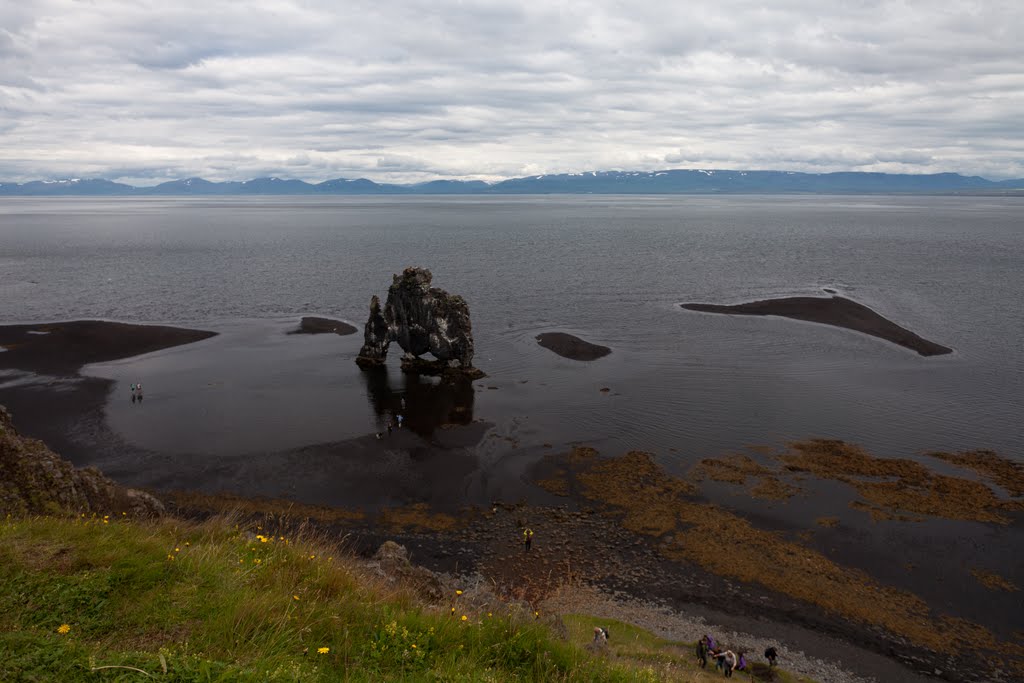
point(314, 325)
point(572, 347)
point(836, 311)
point(63, 348)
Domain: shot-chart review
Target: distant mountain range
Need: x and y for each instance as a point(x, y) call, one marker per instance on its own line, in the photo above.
point(680, 181)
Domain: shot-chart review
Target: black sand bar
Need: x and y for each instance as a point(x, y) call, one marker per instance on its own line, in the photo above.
point(836, 311)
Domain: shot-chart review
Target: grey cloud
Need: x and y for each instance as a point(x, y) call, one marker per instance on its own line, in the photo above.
point(491, 89)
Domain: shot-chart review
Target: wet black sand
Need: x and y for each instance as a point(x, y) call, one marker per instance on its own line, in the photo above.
point(572, 347)
point(63, 348)
point(836, 311)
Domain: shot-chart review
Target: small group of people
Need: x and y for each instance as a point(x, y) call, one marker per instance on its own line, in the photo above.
point(725, 659)
point(391, 423)
point(137, 392)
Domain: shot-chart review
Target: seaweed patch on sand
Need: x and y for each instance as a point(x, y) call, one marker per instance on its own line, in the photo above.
point(993, 581)
point(649, 501)
point(998, 470)
point(417, 516)
point(889, 489)
point(737, 468)
point(899, 486)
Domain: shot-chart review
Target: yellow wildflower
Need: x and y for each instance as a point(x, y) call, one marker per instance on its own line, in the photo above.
point(177, 550)
point(63, 629)
point(258, 561)
point(458, 592)
point(464, 617)
point(295, 597)
point(414, 646)
point(323, 650)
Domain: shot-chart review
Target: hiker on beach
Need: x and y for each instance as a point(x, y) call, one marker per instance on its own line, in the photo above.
point(133, 388)
point(771, 654)
point(527, 538)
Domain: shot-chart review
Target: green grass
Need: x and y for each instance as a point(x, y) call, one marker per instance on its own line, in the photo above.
point(632, 644)
point(176, 601)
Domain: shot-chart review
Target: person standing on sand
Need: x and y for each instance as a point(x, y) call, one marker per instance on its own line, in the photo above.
point(771, 654)
point(527, 538)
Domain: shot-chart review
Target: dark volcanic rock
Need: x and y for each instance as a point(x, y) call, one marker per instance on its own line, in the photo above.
point(569, 346)
point(312, 325)
point(36, 481)
point(836, 311)
point(422, 319)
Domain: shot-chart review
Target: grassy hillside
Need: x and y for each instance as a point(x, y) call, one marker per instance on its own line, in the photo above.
point(109, 599)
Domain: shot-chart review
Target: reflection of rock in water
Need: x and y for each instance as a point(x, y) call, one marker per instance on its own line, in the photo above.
point(428, 404)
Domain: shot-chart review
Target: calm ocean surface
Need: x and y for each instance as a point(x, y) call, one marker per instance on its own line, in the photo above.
point(609, 269)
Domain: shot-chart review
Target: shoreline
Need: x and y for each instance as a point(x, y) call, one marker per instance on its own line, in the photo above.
point(586, 535)
point(835, 311)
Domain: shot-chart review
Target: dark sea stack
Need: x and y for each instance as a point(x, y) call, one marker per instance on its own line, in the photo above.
point(572, 347)
point(422, 319)
point(313, 325)
point(836, 311)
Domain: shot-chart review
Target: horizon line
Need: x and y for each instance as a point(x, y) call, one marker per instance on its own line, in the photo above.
point(492, 183)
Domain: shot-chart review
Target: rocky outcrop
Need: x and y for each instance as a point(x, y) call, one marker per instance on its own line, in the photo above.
point(34, 480)
point(391, 561)
point(422, 319)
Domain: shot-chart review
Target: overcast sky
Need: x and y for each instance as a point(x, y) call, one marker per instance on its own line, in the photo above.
point(144, 92)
